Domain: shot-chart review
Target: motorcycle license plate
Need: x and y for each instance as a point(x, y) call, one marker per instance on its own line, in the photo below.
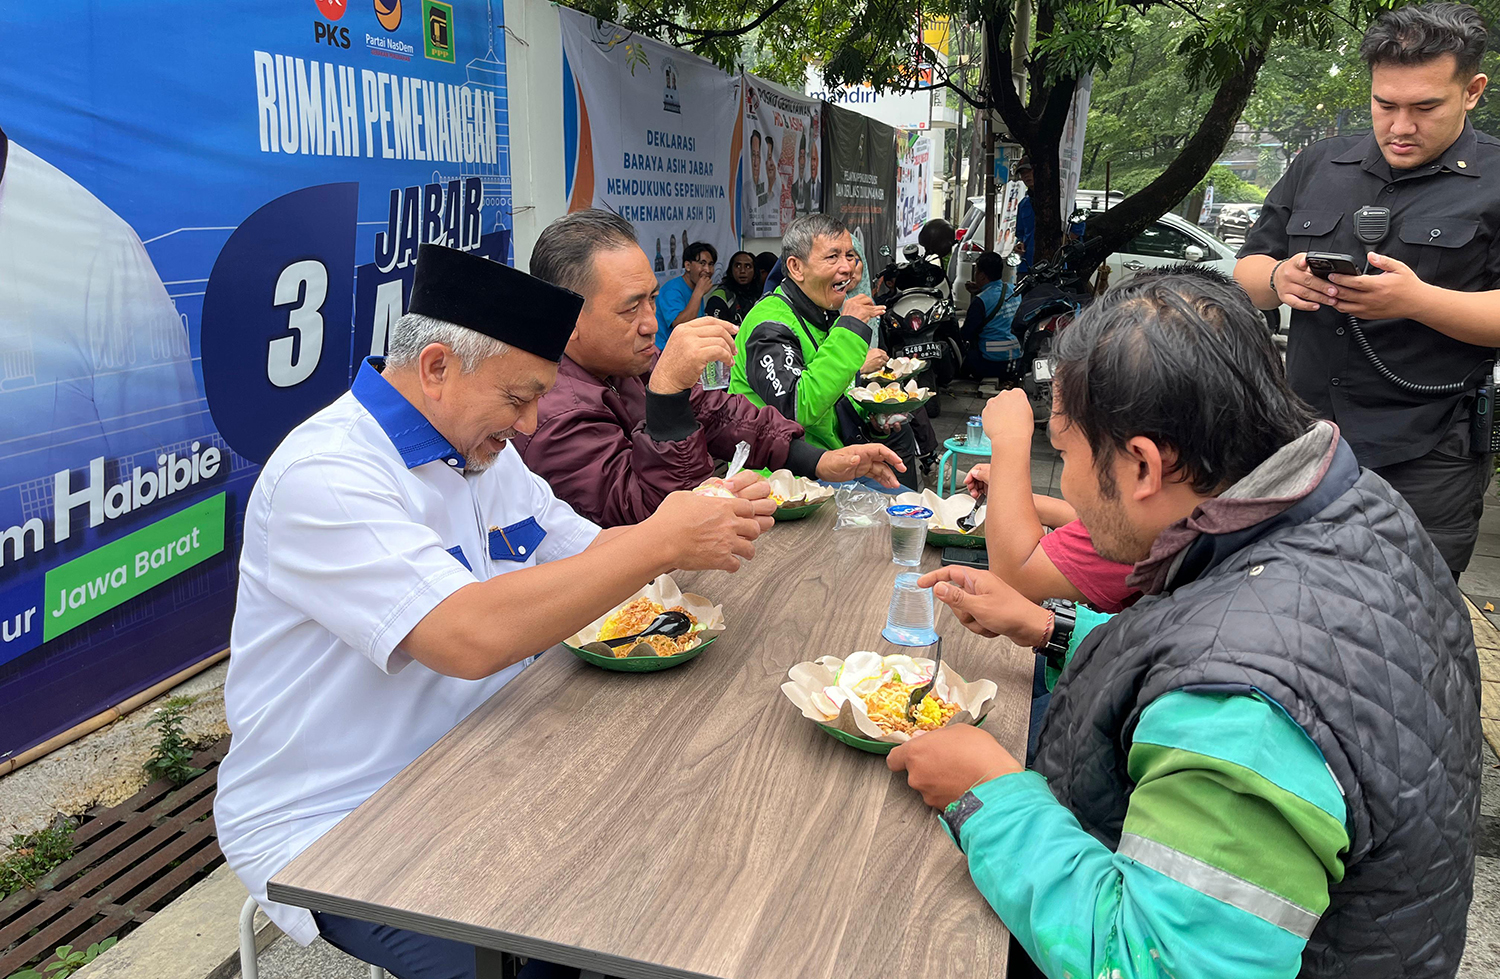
point(1041, 370)
point(926, 351)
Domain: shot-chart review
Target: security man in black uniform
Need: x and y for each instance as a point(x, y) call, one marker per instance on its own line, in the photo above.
point(1395, 357)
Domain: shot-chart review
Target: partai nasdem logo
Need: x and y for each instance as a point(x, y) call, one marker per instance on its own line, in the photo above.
point(388, 12)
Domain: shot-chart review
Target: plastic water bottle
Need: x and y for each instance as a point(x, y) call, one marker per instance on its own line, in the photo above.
point(909, 621)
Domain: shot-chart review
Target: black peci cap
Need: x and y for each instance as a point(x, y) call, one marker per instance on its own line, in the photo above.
point(494, 299)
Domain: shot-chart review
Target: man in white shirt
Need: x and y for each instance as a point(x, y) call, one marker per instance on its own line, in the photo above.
point(401, 564)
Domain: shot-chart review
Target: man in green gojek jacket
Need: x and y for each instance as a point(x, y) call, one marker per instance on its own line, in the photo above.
point(803, 345)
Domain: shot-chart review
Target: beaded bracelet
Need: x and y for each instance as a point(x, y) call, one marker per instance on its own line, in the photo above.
point(1274, 269)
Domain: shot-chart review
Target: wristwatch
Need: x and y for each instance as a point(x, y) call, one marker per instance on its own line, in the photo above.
point(1064, 618)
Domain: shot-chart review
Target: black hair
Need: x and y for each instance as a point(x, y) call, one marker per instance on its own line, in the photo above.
point(1422, 32)
point(991, 265)
point(564, 253)
point(1205, 272)
point(1184, 359)
point(691, 252)
point(726, 281)
point(755, 134)
point(765, 262)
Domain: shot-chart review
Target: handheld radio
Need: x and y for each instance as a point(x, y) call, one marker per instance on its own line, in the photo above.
point(1371, 226)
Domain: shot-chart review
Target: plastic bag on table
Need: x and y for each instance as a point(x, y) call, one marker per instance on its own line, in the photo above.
point(859, 506)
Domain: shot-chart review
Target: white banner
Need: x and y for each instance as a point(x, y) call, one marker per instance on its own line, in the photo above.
point(1070, 152)
point(1008, 202)
point(652, 134)
point(779, 172)
point(913, 187)
point(898, 108)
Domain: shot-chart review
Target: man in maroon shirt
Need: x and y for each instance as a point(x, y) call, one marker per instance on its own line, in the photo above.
point(627, 425)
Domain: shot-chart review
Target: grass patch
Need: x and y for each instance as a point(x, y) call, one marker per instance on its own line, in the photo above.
point(35, 855)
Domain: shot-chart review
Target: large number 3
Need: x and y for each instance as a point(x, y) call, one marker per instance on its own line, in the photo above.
point(306, 319)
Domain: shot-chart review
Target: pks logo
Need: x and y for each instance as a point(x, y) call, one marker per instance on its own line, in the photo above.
point(329, 34)
point(437, 30)
point(388, 12)
point(324, 31)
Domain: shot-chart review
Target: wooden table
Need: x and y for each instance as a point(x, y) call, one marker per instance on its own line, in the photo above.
point(689, 822)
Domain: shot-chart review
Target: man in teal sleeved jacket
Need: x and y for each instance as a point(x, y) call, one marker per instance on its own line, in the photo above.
point(1269, 765)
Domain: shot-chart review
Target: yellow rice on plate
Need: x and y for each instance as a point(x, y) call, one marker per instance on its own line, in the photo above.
point(887, 707)
point(635, 617)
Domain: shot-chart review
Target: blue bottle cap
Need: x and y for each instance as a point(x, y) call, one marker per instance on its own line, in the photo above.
point(909, 510)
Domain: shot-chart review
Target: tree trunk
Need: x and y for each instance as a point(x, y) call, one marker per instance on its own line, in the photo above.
point(1037, 125)
point(1109, 231)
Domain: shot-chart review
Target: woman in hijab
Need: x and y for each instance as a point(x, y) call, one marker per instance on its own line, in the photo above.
point(736, 292)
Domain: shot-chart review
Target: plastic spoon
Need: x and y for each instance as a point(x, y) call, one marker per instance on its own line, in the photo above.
point(669, 624)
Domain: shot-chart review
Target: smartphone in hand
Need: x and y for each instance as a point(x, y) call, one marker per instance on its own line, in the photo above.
point(1324, 264)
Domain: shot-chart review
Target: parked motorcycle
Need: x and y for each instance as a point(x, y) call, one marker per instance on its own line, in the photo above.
point(1051, 295)
point(920, 320)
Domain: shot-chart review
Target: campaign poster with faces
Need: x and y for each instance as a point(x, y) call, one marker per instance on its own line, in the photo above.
point(780, 169)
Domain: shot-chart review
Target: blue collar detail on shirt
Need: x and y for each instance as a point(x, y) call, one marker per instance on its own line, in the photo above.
point(407, 428)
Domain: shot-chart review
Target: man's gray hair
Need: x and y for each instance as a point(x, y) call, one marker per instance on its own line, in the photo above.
point(564, 254)
point(414, 332)
point(800, 234)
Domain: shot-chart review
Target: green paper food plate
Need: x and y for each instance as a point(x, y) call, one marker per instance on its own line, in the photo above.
point(952, 538)
point(799, 512)
point(855, 741)
point(868, 744)
point(639, 664)
point(892, 407)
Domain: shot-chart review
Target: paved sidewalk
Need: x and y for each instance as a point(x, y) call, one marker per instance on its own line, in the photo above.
point(287, 960)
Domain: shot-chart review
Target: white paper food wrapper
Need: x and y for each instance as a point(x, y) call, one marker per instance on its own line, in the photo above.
point(900, 367)
point(798, 491)
point(947, 513)
point(867, 391)
point(665, 592)
point(829, 690)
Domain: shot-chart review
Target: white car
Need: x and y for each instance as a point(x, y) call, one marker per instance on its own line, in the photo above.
point(1169, 240)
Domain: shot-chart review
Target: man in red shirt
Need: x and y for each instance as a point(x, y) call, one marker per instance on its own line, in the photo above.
point(1062, 564)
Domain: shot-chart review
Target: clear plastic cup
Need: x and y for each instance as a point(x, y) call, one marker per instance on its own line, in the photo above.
point(908, 532)
point(715, 376)
point(974, 435)
point(909, 621)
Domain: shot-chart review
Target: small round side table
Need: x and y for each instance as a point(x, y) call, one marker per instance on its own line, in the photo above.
point(953, 447)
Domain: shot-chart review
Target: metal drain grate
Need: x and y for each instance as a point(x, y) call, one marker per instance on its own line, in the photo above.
point(133, 859)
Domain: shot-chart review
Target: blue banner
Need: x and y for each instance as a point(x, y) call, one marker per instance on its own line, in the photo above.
point(208, 217)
